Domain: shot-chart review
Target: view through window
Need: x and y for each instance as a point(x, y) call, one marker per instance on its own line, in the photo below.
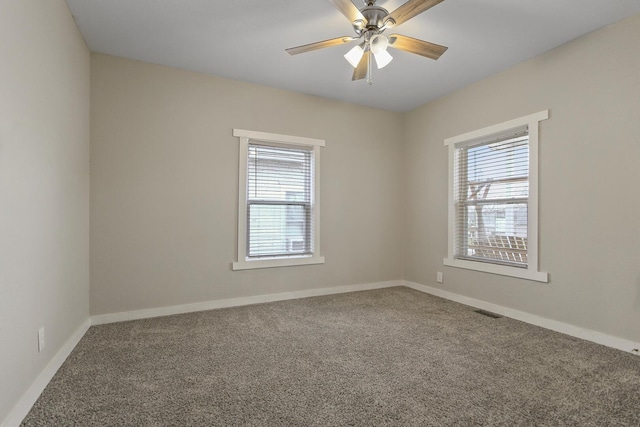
point(492, 191)
point(279, 201)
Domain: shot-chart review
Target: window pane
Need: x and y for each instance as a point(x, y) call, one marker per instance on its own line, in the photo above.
point(499, 170)
point(279, 201)
point(279, 174)
point(497, 232)
point(278, 230)
point(492, 185)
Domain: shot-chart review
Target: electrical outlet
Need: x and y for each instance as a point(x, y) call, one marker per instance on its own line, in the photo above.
point(41, 340)
point(439, 277)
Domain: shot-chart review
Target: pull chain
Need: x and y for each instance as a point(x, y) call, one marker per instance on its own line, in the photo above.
point(369, 79)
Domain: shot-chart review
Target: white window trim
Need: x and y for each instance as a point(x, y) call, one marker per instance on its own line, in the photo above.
point(242, 262)
point(531, 272)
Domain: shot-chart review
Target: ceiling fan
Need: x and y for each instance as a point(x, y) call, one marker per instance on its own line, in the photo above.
point(369, 23)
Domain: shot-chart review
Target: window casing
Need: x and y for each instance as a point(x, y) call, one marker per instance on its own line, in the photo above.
point(278, 210)
point(493, 199)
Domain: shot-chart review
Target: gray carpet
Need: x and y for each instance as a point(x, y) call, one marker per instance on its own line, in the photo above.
point(386, 357)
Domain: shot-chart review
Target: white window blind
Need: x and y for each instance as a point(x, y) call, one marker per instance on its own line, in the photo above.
point(491, 196)
point(279, 201)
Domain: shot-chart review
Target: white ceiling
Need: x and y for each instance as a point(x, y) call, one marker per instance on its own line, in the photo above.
point(246, 40)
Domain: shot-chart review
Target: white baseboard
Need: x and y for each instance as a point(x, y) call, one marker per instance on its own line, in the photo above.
point(27, 401)
point(236, 302)
point(554, 325)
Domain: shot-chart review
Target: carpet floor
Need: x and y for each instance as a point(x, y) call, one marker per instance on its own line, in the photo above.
point(389, 357)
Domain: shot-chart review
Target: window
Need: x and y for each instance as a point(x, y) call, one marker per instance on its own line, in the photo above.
point(278, 212)
point(493, 199)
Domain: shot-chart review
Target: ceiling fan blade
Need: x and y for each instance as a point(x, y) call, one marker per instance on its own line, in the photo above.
point(349, 10)
point(411, 9)
point(363, 67)
point(319, 45)
point(419, 47)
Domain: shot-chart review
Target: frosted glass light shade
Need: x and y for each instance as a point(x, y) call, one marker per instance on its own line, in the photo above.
point(354, 56)
point(378, 43)
point(382, 58)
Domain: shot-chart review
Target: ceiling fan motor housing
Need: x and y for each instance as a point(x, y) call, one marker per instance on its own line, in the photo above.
point(375, 16)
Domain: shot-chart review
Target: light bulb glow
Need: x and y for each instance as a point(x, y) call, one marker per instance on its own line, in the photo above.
point(378, 43)
point(382, 58)
point(354, 56)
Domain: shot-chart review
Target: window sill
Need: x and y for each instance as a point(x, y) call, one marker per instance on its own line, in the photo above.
point(503, 270)
point(276, 262)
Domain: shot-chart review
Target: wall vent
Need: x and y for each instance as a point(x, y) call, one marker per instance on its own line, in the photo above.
point(488, 314)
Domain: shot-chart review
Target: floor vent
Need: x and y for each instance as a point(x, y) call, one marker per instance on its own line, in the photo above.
point(488, 314)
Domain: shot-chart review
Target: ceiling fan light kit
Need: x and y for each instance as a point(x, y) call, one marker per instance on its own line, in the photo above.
point(354, 56)
point(369, 23)
point(378, 45)
point(382, 58)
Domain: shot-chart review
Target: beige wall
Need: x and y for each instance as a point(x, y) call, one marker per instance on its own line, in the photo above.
point(44, 188)
point(164, 171)
point(589, 181)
